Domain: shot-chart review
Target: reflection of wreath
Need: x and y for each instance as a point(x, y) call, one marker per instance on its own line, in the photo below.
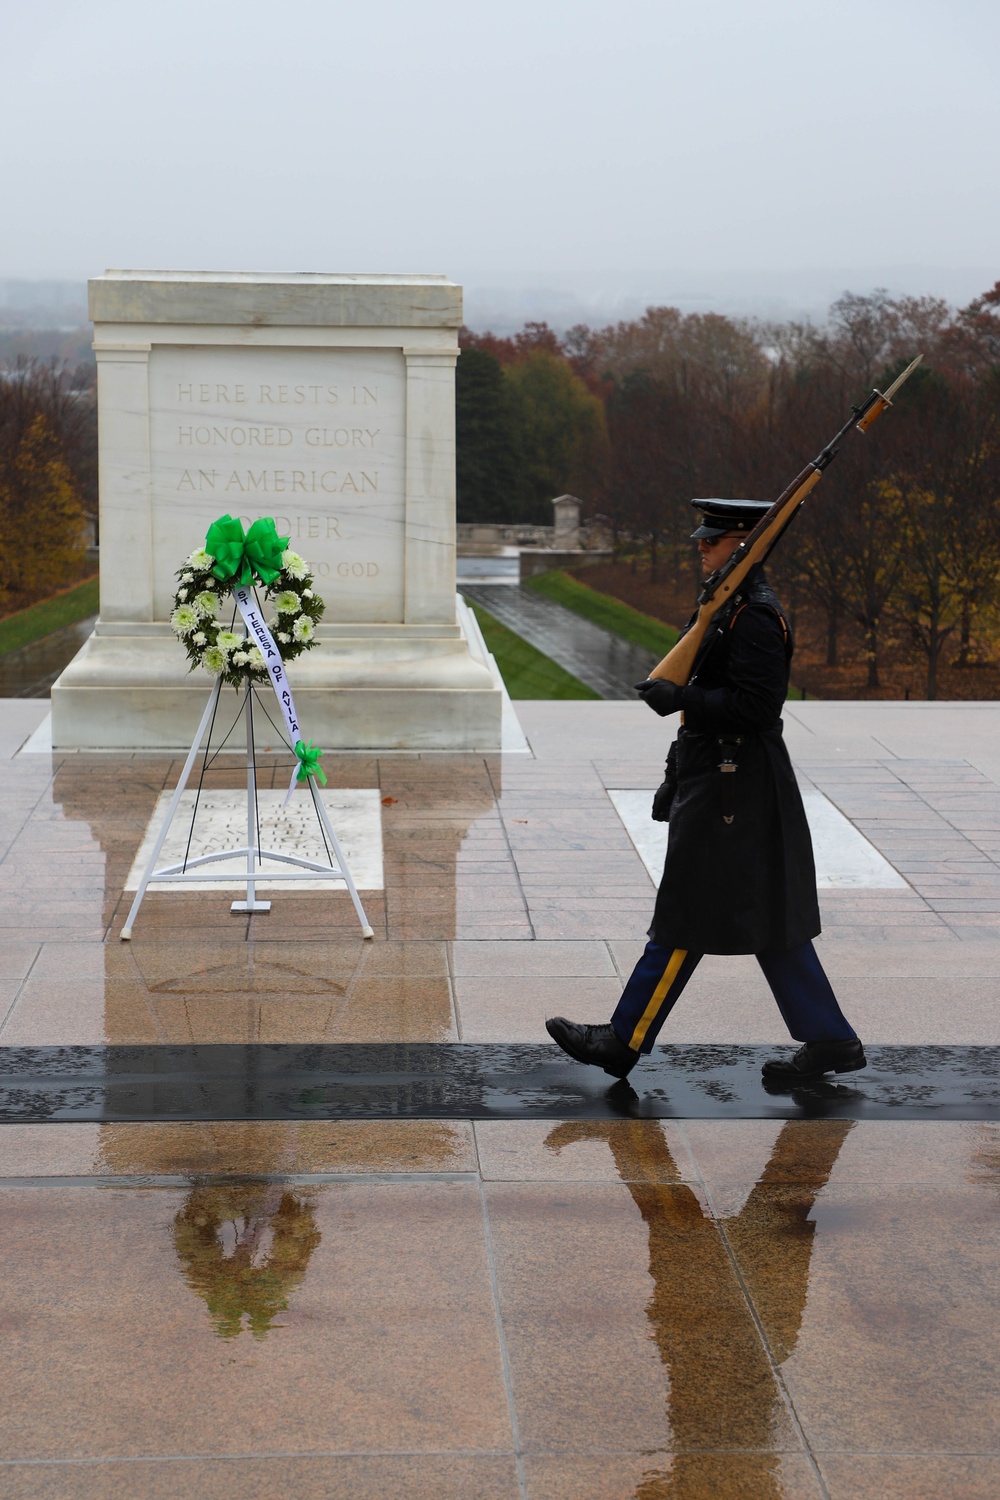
point(210, 576)
point(245, 1250)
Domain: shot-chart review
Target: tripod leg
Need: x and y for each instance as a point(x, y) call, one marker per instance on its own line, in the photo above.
point(367, 931)
point(213, 699)
point(251, 903)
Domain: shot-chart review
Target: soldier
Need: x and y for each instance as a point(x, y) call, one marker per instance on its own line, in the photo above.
point(739, 874)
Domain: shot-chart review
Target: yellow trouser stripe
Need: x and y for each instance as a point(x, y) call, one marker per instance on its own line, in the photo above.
point(659, 995)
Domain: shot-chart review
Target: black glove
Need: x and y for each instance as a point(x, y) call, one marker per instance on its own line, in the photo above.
point(663, 797)
point(663, 697)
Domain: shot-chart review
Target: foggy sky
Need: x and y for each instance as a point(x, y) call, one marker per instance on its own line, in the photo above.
point(558, 138)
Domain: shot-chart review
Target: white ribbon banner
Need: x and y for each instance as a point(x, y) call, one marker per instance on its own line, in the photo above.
point(259, 633)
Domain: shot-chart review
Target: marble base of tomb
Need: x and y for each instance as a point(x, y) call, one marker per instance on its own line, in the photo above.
point(387, 687)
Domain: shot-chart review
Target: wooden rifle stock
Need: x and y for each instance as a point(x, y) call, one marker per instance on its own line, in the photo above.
point(721, 585)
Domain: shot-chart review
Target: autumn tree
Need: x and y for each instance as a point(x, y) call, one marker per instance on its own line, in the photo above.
point(868, 333)
point(643, 419)
point(488, 475)
point(561, 434)
point(528, 428)
point(48, 476)
point(852, 525)
point(720, 360)
point(974, 544)
point(933, 441)
point(970, 345)
point(42, 539)
point(66, 396)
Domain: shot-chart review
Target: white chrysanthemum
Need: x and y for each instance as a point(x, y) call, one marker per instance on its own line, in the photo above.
point(184, 619)
point(287, 602)
point(182, 594)
point(283, 637)
point(228, 640)
point(214, 660)
point(255, 657)
point(207, 603)
point(200, 560)
point(187, 578)
point(240, 658)
point(307, 593)
point(294, 565)
point(303, 629)
point(199, 638)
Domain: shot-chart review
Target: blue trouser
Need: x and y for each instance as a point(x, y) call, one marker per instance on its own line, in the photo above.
point(798, 983)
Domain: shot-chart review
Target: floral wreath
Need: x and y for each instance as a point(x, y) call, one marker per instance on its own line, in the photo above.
point(232, 559)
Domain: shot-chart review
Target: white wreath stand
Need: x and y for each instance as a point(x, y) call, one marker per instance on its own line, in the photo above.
point(308, 869)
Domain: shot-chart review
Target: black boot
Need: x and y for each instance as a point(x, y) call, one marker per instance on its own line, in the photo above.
point(599, 1045)
point(813, 1059)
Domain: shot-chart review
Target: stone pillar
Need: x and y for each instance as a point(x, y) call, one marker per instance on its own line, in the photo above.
point(566, 515)
point(327, 402)
point(126, 514)
point(430, 484)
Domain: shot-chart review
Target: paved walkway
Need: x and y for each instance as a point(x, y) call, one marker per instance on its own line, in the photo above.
point(597, 657)
point(515, 1309)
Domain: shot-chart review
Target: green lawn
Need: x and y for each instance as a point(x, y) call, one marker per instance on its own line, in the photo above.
point(527, 672)
point(615, 616)
point(611, 614)
point(52, 614)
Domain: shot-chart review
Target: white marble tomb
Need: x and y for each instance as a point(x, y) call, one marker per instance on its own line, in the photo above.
point(328, 403)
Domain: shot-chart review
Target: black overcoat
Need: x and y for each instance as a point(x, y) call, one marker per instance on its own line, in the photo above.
point(748, 884)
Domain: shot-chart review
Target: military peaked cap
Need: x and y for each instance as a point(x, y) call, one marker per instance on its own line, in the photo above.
point(719, 516)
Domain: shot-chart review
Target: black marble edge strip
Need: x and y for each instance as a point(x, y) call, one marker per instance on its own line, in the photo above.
point(801, 1105)
point(17, 1061)
point(475, 1081)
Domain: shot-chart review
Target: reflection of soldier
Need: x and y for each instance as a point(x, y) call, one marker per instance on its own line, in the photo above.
point(723, 1394)
point(985, 1159)
point(244, 1248)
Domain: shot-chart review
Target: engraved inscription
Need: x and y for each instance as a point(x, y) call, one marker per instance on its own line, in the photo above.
point(236, 437)
point(280, 481)
point(282, 393)
point(341, 437)
point(306, 528)
point(243, 436)
point(240, 430)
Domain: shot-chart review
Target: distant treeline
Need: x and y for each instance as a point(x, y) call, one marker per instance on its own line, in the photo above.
point(638, 418)
point(69, 347)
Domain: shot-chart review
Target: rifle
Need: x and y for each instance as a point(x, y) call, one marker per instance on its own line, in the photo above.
point(720, 585)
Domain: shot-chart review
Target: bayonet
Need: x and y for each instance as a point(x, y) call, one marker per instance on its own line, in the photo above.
point(877, 402)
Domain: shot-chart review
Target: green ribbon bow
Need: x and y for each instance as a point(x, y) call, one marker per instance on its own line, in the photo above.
point(309, 756)
point(240, 557)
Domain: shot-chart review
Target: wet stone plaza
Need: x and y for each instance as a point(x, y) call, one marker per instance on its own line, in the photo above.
point(288, 1213)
